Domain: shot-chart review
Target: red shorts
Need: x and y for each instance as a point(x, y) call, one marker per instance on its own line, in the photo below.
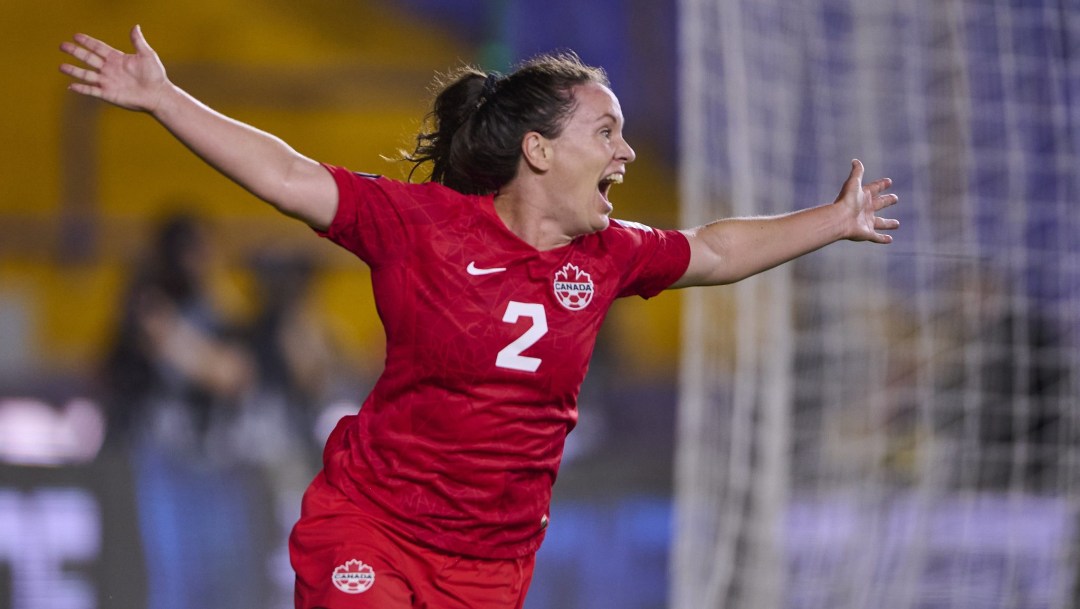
point(346, 559)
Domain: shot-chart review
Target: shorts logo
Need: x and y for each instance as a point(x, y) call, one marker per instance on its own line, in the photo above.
point(573, 287)
point(354, 577)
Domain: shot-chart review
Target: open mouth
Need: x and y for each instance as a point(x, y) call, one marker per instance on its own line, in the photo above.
point(605, 184)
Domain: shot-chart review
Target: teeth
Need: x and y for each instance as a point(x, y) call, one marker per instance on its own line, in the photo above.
point(615, 178)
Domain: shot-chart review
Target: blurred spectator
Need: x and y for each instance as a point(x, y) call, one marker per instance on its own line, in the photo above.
point(1022, 379)
point(172, 364)
point(294, 365)
point(1004, 384)
point(175, 378)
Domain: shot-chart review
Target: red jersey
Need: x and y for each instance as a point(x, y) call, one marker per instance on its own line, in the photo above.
point(487, 343)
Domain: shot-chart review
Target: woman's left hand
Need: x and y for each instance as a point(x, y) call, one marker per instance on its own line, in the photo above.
point(862, 203)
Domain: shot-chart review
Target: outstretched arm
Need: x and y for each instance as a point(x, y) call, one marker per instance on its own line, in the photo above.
point(729, 250)
point(261, 163)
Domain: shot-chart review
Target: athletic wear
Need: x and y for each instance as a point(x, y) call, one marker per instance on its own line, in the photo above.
point(488, 341)
point(347, 559)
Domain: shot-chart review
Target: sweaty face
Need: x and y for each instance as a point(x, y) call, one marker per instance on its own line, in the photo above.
point(590, 156)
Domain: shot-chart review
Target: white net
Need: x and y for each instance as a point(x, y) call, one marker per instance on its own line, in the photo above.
point(888, 427)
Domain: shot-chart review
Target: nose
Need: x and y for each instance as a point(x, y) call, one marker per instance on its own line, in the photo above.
point(625, 153)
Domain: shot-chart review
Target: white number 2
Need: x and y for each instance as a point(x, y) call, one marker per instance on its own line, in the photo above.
point(510, 356)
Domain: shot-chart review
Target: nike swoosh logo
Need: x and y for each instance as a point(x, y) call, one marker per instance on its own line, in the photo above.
point(474, 270)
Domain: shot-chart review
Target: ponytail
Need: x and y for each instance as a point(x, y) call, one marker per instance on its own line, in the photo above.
point(472, 136)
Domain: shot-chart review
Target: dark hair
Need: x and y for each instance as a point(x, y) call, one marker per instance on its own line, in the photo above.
point(472, 136)
point(170, 269)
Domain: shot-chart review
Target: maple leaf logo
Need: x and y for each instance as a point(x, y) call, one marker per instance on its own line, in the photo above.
point(354, 577)
point(573, 287)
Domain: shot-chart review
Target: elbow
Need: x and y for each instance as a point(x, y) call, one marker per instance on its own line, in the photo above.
point(711, 275)
point(285, 189)
point(709, 266)
point(304, 191)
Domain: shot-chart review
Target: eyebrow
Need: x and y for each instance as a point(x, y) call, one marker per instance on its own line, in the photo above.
point(607, 115)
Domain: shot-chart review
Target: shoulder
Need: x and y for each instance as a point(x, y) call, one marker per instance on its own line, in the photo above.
point(365, 180)
point(628, 225)
point(651, 259)
point(626, 233)
point(359, 185)
point(641, 242)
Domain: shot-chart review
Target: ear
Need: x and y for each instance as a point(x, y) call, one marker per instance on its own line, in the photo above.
point(536, 150)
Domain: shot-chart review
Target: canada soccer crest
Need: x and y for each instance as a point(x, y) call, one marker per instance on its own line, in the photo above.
point(573, 287)
point(354, 577)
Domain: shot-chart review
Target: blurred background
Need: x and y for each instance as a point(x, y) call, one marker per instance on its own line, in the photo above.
point(866, 427)
point(890, 427)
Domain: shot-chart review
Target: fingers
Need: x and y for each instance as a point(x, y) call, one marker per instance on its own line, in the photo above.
point(94, 45)
point(879, 185)
point(883, 201)
point(85, 89)
point(875, 189)
point(857, 169)
point(853, 183)
point(83, 54)
point(139, 41)
point(92, 52)
point(886, 224)
point(87, 76)
point(881, 224)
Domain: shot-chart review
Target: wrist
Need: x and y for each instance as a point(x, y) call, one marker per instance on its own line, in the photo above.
point(165, 102)
point(837, 222)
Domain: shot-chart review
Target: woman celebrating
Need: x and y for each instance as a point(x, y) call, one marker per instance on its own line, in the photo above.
point(492, 280)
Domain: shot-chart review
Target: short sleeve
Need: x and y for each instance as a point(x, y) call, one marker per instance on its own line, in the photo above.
point(653, 259)
point(371, 218)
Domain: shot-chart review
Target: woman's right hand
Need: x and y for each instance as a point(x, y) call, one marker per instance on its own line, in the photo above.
point(136, 81)
point(262, 163)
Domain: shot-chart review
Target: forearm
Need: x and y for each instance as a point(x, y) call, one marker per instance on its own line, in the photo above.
point(727, 251)
point(259, 162)
point(256, 160)
point(214, 365)
point(733, 249)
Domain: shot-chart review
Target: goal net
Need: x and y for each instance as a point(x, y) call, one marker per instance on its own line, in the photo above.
point(884, 426)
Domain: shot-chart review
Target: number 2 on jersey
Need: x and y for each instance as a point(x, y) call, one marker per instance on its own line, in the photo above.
point(510, 356)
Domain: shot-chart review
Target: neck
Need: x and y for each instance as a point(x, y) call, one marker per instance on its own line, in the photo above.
point(526, 215)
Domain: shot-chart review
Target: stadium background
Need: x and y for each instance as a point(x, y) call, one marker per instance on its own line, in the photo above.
point(972, 110)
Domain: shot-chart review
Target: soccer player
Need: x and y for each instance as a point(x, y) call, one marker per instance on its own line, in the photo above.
point(491, 280)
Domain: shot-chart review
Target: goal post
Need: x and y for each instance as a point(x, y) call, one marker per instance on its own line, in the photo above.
point(889, 426)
